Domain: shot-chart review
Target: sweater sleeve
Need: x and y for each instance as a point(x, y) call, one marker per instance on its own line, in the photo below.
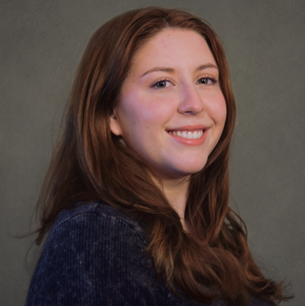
point(93, 259)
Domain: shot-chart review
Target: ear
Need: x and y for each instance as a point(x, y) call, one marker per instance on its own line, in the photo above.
point(115, 126)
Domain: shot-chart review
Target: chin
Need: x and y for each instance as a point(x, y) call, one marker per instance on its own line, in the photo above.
point(196, 166)
point(191, 169)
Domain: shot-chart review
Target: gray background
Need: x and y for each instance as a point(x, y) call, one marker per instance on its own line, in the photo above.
point(41, 43)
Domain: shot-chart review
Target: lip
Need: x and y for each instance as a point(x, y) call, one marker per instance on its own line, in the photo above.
point(190, 142)
point(189, 128)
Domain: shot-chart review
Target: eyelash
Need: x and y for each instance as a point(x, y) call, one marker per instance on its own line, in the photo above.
point(208, 78)
point(154, 85)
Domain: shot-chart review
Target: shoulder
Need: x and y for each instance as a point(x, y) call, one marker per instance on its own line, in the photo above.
point(258, 302)
point(98, 234)
point(94, 254)
point(95, 215)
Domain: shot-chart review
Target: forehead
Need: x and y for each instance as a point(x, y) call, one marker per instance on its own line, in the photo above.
point(173, 47)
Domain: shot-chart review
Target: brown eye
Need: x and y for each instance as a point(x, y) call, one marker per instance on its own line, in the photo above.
point(206, 81)
point(161, 84)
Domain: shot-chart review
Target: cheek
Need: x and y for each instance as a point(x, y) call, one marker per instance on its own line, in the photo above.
point(218, 110)
point(145, 110)
point(136, 118)
point(222, 111)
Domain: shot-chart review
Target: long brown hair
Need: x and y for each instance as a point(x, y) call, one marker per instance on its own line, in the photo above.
point(90, 163)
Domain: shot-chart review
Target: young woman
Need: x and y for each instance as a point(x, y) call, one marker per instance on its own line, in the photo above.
point(136, 197)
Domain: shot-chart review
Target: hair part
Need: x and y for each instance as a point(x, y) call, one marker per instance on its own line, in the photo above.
point(91, 163)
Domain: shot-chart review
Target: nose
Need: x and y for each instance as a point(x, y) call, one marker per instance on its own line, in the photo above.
point(191, 102)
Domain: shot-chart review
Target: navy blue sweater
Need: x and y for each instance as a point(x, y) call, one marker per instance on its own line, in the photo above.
point(94, 256)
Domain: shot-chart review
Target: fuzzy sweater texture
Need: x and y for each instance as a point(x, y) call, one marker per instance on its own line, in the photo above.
point(94, 255)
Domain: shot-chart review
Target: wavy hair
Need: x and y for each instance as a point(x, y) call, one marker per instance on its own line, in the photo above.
point(91, 163)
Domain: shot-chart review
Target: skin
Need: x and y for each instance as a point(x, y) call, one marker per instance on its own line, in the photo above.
point(173, 85)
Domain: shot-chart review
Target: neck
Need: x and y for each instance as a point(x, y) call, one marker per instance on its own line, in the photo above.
point(176, 192)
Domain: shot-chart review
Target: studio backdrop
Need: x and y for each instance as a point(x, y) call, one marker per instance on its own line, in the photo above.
point(41, 43)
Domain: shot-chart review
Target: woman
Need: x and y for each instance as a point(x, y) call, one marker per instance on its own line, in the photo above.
point(136, 197)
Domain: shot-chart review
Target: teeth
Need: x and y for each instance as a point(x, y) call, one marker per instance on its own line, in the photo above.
point(187, 134)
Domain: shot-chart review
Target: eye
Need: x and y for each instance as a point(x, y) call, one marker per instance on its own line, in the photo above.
point(161, 84)
point(207, 81)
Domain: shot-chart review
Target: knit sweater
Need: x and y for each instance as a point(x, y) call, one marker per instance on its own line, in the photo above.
point(94, 255)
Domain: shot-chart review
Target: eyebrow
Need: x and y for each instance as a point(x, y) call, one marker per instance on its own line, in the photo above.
point(171, 70)
point(165, 69)
point(202, 67)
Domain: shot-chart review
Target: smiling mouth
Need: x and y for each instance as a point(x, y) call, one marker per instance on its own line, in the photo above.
point(188, 134)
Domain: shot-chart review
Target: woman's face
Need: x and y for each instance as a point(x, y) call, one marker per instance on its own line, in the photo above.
point(172, 111)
